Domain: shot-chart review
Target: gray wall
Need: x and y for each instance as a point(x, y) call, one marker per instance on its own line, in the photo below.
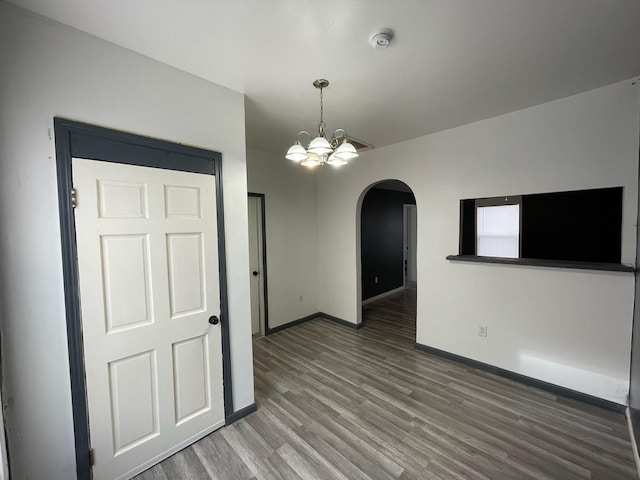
point(50, 70)
point(291, 234)
point(567, 327)
point(634, 377)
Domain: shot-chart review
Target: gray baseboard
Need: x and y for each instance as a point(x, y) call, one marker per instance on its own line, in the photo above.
point(355, 326)
point(243, 412)
point(326, 316)
point(293, 323)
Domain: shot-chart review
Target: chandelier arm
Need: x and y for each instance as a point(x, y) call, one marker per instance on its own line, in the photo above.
point(344, 133)
point(337, 135)
point(301, 132)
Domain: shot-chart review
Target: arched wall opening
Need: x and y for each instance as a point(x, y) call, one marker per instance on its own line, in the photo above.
point(386, 242)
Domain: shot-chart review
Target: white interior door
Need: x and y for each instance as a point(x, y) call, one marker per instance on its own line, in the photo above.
point(148, 278)
point(255, 265)
point(410, 243)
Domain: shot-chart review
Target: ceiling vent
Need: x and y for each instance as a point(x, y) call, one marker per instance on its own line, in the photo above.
point(360, 146)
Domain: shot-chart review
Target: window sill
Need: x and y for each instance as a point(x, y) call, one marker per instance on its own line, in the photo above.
point(611, 267)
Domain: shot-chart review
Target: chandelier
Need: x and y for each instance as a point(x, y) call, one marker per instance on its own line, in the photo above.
point(334, 151)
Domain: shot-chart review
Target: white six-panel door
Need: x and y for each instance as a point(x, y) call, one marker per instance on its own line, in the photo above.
point(148, 277)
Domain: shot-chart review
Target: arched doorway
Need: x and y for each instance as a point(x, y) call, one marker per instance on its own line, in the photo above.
point(387, 260)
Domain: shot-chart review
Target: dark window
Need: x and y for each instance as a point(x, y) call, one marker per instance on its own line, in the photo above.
point(583, 225)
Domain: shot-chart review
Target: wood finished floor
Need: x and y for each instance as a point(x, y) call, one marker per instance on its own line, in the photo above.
point(336, 403)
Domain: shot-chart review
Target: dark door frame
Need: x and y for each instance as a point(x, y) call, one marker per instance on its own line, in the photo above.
point(80, 140)
point(265, 290)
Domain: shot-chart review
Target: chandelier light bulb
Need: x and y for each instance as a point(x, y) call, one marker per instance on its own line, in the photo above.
point(346, 151)
point(297, 153)
point(312, 160)
point(335, 161)
point(319, 146)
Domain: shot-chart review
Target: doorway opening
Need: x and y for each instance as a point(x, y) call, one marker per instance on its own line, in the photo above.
point(388, 256)
point(258, 264)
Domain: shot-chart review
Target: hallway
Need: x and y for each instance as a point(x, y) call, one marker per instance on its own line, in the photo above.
point(395, 314)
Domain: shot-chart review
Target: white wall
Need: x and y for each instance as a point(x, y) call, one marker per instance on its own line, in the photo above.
point(569, 327)
point(292, 234)
point(49, 70)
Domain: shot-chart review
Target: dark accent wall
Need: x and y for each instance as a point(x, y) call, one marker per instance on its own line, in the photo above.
point(381, 237)
point(583, 225)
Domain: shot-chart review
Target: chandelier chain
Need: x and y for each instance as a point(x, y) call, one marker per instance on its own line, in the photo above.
point(321, 108)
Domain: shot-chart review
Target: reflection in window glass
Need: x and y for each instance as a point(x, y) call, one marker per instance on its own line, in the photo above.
point(498, 231)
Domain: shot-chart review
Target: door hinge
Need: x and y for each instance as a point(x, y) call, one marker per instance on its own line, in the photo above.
point(74, 198)
point(92, 457)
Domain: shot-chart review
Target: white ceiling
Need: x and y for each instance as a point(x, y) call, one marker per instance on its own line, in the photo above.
point(452, 62)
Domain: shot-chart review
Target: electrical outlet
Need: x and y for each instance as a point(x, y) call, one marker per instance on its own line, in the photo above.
point(482, 330)
point(301, 299)
point(375, 279)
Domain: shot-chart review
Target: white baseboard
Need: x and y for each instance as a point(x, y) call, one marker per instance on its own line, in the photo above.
point(634, 445)
point(382, 295)
point(582, 380)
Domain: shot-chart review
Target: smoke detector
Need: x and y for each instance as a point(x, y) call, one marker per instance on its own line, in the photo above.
point(381, 38)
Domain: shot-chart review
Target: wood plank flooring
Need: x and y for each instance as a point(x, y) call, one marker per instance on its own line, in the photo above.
point(336, 403)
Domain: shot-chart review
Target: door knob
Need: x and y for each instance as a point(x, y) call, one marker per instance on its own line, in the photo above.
point(213, 320)
point(255, 273)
